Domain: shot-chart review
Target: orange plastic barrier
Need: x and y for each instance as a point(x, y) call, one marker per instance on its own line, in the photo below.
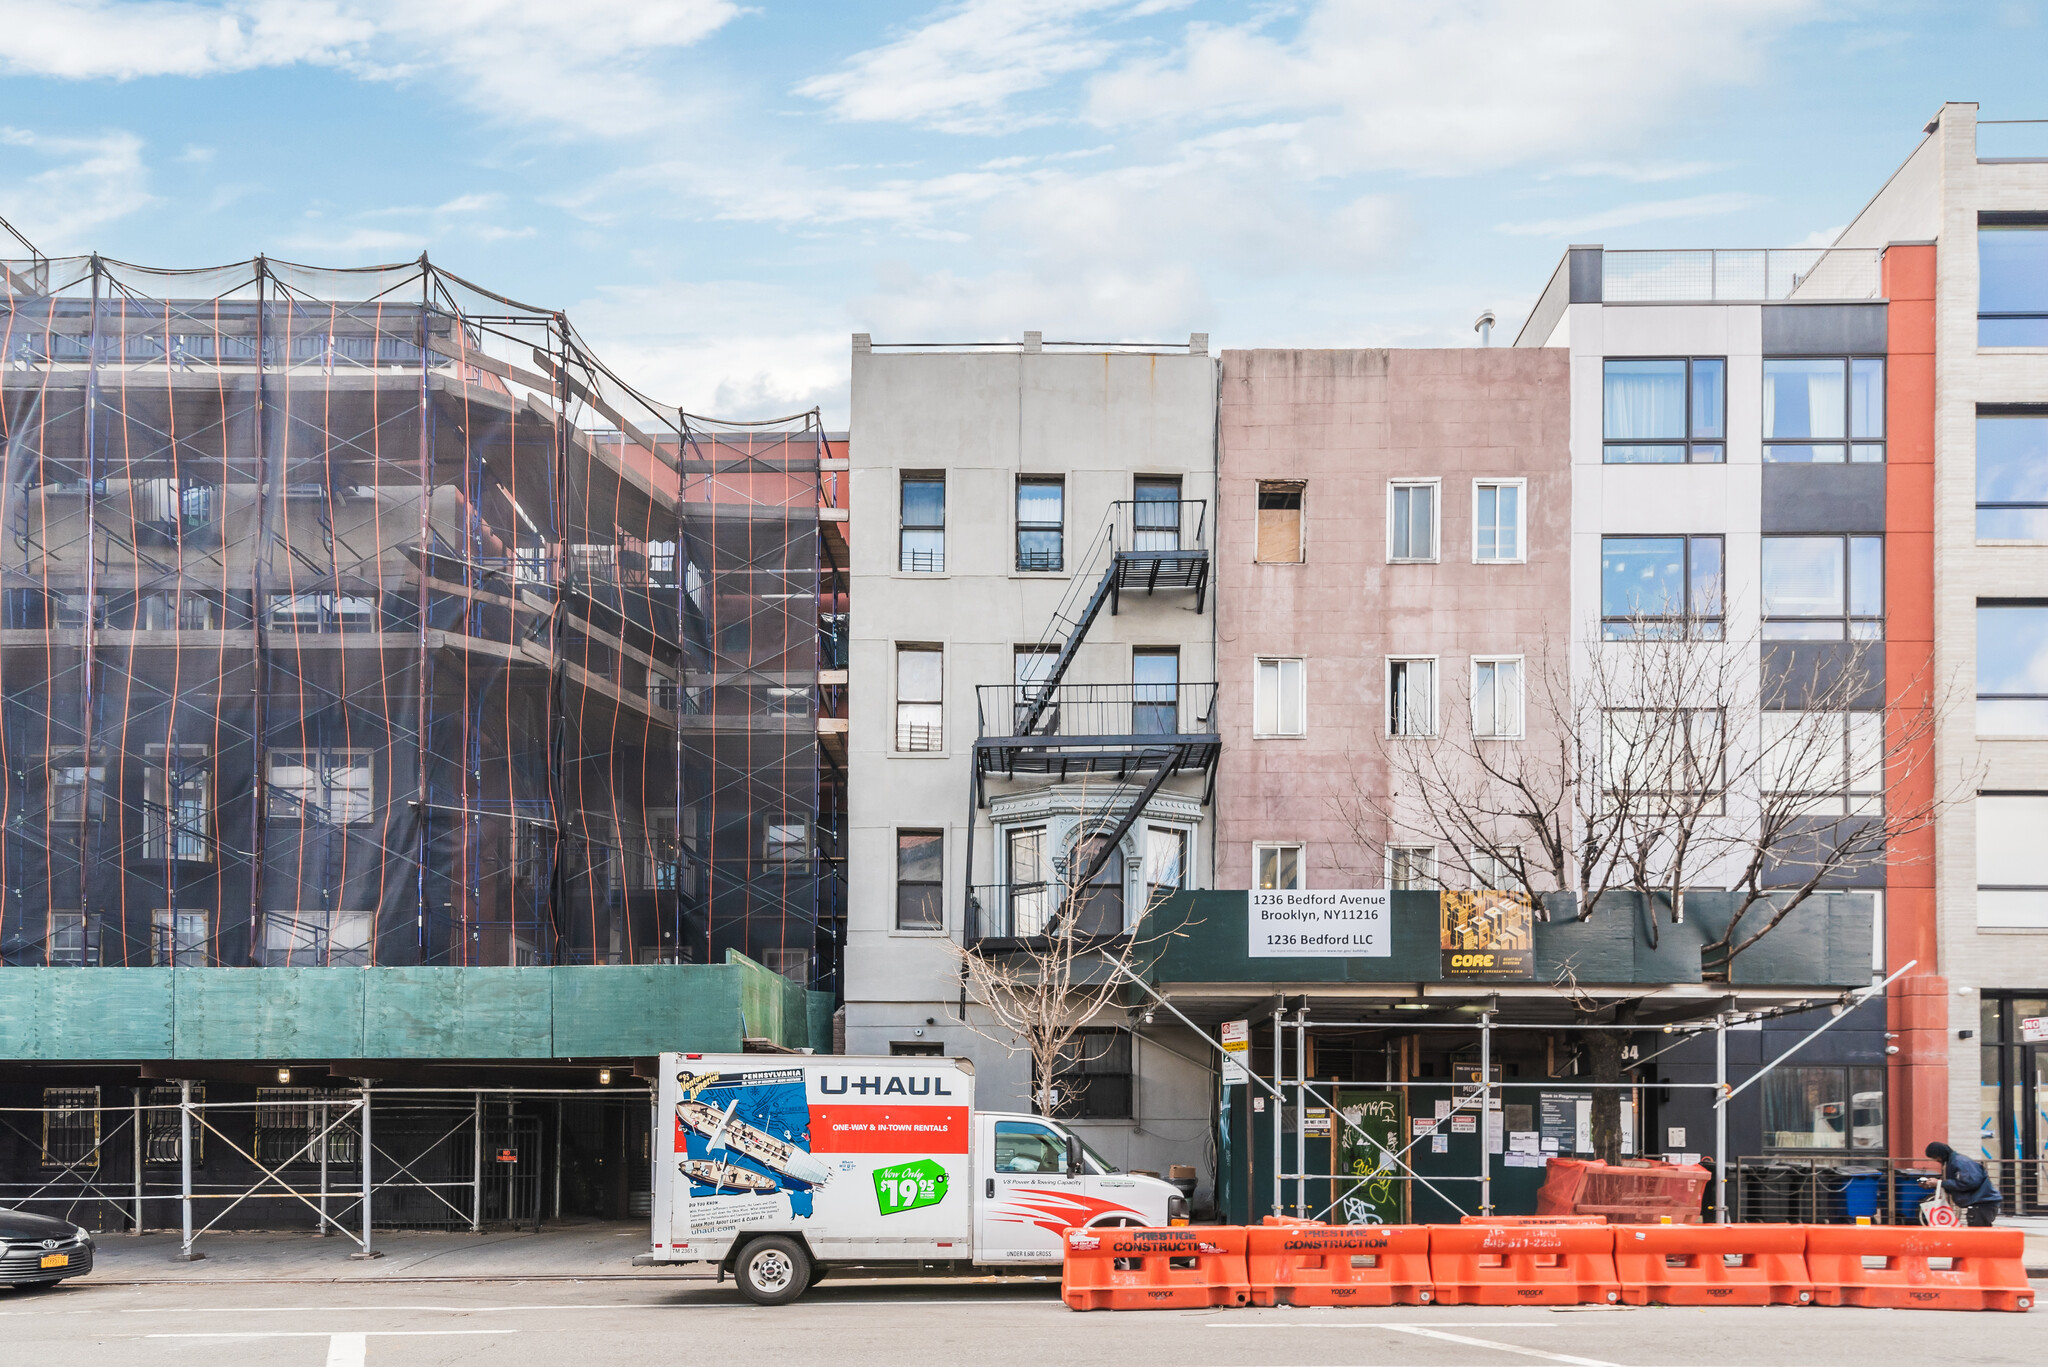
point(1523, 1264)
point(1712, 1265)
point(1532, 1219)
point(1155, 1269)
point(1339, 1265)
point(1985, 1269)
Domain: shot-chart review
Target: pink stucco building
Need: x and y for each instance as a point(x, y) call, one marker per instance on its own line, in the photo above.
point(1392, 555)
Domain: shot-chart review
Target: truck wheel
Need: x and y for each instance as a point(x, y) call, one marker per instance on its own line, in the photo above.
point(773, 1270)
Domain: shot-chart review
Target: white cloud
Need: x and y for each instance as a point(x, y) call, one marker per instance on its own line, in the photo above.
point(1451, 87)
point(380, 232)
point(83, 182)
point(1630, 215)
point(959, 72)
point(593, 67)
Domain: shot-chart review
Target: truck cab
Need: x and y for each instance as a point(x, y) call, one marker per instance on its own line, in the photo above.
point(1037, 1178)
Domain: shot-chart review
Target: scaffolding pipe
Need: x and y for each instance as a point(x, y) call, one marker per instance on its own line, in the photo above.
point(136, 1093)
point(321, 1231)
point(476, 1163)
point(1858, 999)
point(185, 1167)
point(559, 1107)
point(1278, 1093)
point(1720, 1120)
point(366, 1251)
point(1301, 1108)
point(1486, 1113)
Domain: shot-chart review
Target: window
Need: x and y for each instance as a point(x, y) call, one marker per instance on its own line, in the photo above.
point(1155, 691)
point(1092, 1080)
point(2012, 476)
point(1098, 903)
point(922, 539)
point(330, 786)
point(1166, 862)
point(316, 937)
point(2012, 284)
point(78, 791)
point(163, 1125)
point(1497, 531)
point(1030, 899)
point(1411, 520)
point(1279, 703)
point(1812, 406)
point(920, 878)
point(1278, 867)
point(290, 1121)
point(1496, 868)
point(2012, 669)
point(1156, 514)
point(1279, 534)
point(177, 939)
point(177, 806)
point(1663, 760)
point(302, 613)
point(2012, 861)
point(1817, 1106)
point(1823, 588)
point(1031, 666)
point(916, 1048)
point(1022, 1146)
point(69, 944)
point(1411, 697)
point(1660, 587)
point(1665, 412)
point(1827, 763)
point(1041, 523)
point(1411, 868)
point(1497, 697)
point(71, 1127)
point(919, 716)
point(786, 843)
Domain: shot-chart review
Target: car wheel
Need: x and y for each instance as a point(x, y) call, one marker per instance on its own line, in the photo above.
point(773, 1270)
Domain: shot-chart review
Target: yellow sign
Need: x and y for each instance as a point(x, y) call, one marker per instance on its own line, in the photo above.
point(1488, 934)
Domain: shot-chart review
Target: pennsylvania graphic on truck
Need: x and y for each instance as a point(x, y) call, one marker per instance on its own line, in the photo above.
point(778, 1168)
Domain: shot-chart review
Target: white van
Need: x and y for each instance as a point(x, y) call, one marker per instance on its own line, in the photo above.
point(778, 1168)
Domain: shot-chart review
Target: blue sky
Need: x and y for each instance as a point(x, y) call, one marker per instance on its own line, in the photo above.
point(719, 193)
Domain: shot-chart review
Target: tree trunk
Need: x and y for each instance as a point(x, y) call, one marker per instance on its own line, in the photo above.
point(1603, 1053)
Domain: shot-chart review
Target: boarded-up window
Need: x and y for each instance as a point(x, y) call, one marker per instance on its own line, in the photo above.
point(1280, 521)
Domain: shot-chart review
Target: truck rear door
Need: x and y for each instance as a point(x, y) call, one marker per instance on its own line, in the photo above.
point(1024, 1198)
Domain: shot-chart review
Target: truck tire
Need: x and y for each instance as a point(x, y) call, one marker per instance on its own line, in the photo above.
point(773, 1270)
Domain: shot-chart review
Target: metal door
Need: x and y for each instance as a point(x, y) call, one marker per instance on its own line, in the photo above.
point(512, 1168)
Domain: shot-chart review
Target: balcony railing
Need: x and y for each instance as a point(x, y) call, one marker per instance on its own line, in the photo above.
point(1150, 526)
point(1078, 713)
point(1747, 275)
point(1030, 911)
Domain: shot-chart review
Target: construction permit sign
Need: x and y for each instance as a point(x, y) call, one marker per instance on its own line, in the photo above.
point(1237, 1048)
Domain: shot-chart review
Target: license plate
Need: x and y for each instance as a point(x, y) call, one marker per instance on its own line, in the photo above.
point(56, 1260)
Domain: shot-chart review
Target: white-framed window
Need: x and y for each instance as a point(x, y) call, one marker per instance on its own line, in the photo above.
point(177, 939)
point(1411, 868)
point(177, 806)
point(1280, 697)
point(1497, 697)
point(787, 842)
point(1499, 521)
point(1411, 696)
point(1496, 868)
point(1824, 763)
point(920, 719)
point(1166, 862)
point(2012, 861)
point(316, 937)
point(920, 880)
point(1276, 866)
point(332, 787)
point(1412, 519)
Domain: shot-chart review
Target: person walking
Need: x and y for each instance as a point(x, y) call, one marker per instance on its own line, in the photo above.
point(1967, 1184)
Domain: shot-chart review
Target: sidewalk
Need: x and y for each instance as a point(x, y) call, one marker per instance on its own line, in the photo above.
point(579, 1252)
point(2036, 1229)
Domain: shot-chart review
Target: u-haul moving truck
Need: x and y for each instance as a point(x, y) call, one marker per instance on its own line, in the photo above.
point(780, 1167)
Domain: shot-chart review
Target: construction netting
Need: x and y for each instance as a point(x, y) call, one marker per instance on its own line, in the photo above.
point(352, 617)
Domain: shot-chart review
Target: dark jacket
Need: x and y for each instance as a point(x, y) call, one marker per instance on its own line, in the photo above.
point(1964, 1179)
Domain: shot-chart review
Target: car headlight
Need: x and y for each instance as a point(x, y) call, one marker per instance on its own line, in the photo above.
point(84, 1236)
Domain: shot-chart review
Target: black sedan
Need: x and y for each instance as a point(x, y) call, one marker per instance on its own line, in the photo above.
point(36, 1250)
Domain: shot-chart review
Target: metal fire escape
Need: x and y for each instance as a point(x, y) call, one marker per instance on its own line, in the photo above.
point(1133, 735)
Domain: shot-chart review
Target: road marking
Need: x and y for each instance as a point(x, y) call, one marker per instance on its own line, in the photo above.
point(485, 1309)
point(1348, 1322)
point(347, 1350)
point(1516, 1348)
point(324, 1334)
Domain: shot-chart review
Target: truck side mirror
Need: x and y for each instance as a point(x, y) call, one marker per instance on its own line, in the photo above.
point(1074, 1165)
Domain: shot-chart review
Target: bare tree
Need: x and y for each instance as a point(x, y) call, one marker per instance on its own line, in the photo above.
point(1669, 760)
point(1061, 960)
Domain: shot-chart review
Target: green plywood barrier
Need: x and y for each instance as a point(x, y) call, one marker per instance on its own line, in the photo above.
point(282, 1014)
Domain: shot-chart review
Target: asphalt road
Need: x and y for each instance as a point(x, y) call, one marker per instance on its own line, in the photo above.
point(938, 1325)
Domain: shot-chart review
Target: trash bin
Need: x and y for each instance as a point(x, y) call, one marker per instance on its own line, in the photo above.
point(1853, 1194)
point(1910, 1194)
point(1770, 1192)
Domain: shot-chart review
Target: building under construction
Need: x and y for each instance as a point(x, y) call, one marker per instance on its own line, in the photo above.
point(361, 619)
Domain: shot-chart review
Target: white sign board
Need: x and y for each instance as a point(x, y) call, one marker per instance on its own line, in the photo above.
point(1321, 924)
point(1237, 1044)
point(2033, 1029)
